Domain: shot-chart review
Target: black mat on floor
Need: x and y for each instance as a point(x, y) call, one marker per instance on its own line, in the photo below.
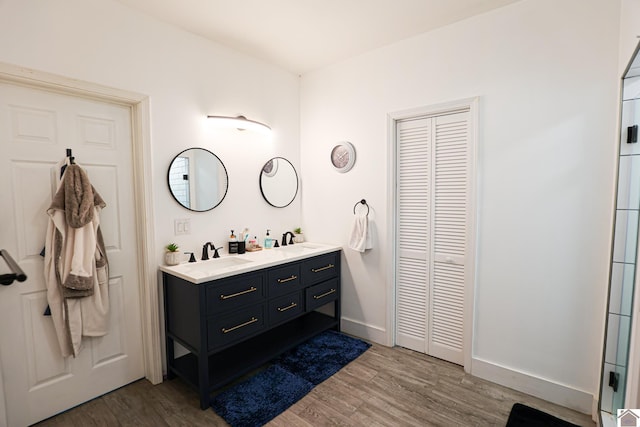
point(525, 416)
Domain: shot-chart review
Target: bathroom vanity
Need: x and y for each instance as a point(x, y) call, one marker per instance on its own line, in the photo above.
point(236, 313)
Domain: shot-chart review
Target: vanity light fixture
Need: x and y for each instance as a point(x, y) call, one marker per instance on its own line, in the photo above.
point(240, 123)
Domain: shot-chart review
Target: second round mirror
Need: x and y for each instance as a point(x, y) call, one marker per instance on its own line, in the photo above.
point(278, 182)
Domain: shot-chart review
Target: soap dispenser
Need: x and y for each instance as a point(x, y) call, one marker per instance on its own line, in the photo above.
point(233, 243)
point(268, 241)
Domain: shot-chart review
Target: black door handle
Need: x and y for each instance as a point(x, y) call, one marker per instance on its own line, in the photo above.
point(614, 379)
point(632, 134)
point(16, 271)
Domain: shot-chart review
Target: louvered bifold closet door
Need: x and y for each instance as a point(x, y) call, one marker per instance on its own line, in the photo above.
point(433, 163)
point(413, 235)
point(450, 212)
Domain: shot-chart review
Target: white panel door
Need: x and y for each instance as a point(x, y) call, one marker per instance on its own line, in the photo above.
point(433, 211)
point(36, 127)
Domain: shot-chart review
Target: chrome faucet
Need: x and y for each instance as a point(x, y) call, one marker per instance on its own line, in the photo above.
point(205, 251)
point(284, 238)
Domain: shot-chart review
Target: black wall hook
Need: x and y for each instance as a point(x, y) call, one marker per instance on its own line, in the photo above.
point(70, 156)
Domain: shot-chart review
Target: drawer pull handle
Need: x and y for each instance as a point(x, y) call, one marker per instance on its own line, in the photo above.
point(317, 270)
point(325, 294)
point(289, 307)
point(253, 320)
point(288, 279)
point(237, 294)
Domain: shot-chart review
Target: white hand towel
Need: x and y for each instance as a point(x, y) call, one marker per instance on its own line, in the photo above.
point(360, 238)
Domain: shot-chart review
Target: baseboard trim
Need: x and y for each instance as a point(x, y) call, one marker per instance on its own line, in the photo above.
point(548, 390)
point(542, 388)
point(365, 331)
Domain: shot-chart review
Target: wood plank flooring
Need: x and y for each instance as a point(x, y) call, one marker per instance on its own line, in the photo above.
point(383, 387)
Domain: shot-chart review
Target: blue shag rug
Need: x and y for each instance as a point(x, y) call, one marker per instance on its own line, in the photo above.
point(320, 357)
point(261, 398)
point(291, 376)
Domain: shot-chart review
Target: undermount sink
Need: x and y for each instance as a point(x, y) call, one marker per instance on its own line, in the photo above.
point(298, 248)
point(211, 266)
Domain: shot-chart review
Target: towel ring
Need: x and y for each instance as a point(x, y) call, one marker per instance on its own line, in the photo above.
point(364, 202)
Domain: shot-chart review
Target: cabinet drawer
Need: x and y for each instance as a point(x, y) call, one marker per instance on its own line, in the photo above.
point(285, 307)
point(284, 280)
point(320, 268)
point(235, 326)
point(321, 294)
point(235, 292)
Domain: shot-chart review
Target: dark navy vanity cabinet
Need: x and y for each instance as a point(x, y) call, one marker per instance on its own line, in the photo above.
point(235, 324)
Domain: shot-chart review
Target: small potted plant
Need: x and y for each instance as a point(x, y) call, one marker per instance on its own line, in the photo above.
point(172, 256)
point(298, 237)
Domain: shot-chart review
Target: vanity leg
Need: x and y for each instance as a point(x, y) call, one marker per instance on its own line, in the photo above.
point(337, 306)
point(170, 357)
point(168, 342)
point(337, 313)
point(203, 381)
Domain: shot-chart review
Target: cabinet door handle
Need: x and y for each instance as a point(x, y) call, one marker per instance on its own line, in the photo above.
point(253, 320)
point(289, 307)
point(288, 279)
point(331, 291)
point(237, 294)
point(317, 270)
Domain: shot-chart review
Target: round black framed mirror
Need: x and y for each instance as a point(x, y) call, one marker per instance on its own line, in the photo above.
point(198, 179)
point(279, 182)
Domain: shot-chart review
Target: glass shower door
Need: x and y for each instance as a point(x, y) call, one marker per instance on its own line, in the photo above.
point(625, 244)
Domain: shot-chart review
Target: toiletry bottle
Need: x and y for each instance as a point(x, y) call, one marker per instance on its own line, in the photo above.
point(268, 241)
point(233, 243)
point(252, 243)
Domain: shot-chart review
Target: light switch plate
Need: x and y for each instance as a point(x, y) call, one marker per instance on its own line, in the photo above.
point(181, 226)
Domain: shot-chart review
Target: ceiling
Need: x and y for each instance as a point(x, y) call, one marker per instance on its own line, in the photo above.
point(304, 35)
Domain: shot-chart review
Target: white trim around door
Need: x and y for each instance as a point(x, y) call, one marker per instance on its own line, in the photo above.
point(471, 106)
point(139, 104)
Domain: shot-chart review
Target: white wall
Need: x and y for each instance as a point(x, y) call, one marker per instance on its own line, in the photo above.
point(547, 76)
point(186, 78)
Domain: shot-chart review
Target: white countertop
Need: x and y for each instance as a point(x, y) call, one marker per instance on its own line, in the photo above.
point(230, 265)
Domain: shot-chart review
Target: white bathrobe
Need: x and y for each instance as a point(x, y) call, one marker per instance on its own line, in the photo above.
point(76, 267)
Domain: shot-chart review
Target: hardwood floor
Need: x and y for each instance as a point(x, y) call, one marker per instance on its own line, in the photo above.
point(383, 387)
